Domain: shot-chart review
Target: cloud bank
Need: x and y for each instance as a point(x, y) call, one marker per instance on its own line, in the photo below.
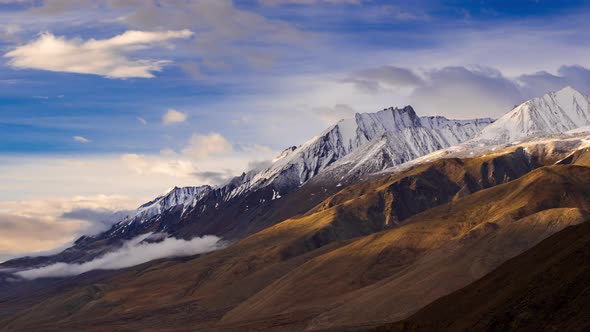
point(134, 252)
point(463, 91)
point(104, 57)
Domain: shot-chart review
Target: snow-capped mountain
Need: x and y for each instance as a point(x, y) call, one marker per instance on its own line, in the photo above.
point(186, 196)
point(392, 148)
point(367, 143)
point(254, 200)
point(555, 112)
point(408, 136)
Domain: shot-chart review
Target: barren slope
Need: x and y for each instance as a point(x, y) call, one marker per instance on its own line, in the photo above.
point(543, 289)
point(327, 268)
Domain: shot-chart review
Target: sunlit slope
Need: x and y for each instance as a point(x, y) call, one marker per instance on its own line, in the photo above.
point(543, 289)
point(391, 274)
point(373, 252)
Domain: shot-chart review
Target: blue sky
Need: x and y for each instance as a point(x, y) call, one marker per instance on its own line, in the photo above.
point(42, 110)
point(106, 103)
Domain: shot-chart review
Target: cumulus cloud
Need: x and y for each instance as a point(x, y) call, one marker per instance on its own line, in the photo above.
point(210, 158)
point(104, 57)
point(81, 139)
point(203, 146)
point(134, 252)
point(229, 36)
point(173, 116)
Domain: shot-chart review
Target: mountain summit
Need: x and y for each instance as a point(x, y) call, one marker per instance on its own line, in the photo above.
point(552, 113)
point(409, 134)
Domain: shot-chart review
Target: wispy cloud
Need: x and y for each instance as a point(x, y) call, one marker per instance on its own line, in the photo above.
point(104, 57)
point(81, 139)
point(134, 252)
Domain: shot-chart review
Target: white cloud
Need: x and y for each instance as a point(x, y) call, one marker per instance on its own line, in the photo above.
point(173, 116)
point(141, 120)
point(134, 252)
point(202, 146)
point(104, 57)
point(206, 159)
point(81, 139)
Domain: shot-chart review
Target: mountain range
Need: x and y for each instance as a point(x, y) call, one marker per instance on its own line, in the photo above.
point(382, 221)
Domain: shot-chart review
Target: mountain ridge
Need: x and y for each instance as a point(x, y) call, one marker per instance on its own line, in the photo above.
point(552, 113)
point(233, 210)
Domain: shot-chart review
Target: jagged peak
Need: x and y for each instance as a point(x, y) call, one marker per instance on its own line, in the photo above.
point(394, 111)
point(175, 196)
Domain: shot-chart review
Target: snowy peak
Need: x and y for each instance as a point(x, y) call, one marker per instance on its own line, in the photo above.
point(296, 166)
point(185, 196)
point(396, 134)
point(387, 120)
point(552, 113)
point(397, 147)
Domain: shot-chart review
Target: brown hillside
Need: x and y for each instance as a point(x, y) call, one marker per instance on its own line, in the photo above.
point(543, 289)
point(309, 272)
